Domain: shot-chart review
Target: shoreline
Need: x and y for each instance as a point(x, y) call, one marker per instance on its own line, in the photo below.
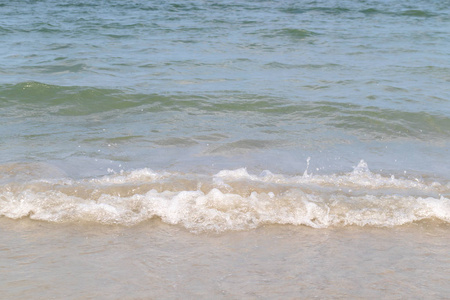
point(157, 260)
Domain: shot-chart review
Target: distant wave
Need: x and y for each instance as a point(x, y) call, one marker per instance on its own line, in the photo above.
point(368, 11)
point(363, 120)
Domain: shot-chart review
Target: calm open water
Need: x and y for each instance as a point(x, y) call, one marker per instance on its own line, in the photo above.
point(224, 149)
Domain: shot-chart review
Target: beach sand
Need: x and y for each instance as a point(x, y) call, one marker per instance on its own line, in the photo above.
point(153, 260)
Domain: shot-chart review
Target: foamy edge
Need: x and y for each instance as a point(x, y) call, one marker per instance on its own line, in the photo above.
point(230, 199)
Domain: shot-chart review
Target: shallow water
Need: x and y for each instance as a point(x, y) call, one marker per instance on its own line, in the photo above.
point(155, 260)
point(207, 85)
point(235, 149)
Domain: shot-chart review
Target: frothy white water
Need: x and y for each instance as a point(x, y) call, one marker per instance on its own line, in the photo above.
point(360, 177)
point(230, 199)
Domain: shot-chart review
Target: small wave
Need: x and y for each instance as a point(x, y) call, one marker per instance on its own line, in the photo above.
point(41, 27)
point(65, 100)
point(364, 121)
point(243, 146)
point(384, 123)
point(293, 33)
point(4, 29)
point(279, 65)
point(58, 69)
point(297, 33)
point(77, 4)
point(326, 10)
point(417, 13)
point(230, 199)
point(370, 11)
point(408, 13)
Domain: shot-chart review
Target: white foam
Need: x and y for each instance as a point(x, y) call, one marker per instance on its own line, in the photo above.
point(360, 177)
point(230, 199)
point(144, 175)
point(237, 174)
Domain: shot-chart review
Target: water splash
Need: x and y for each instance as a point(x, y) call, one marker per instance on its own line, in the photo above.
point(230, 199)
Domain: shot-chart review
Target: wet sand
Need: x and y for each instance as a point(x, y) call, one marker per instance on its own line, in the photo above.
point(153, 260)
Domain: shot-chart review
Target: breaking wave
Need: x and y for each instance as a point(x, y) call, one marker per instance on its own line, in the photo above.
point(228, 200)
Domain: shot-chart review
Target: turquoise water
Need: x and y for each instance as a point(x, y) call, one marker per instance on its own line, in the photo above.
point(192, 89)
point(224, 149)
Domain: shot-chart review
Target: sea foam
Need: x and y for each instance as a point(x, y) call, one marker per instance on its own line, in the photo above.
point(230, 199)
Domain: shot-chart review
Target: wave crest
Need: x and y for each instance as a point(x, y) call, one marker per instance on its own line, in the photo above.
point(230, 199)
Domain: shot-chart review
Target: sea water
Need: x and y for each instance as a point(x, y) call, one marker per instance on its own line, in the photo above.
point(224, 149)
